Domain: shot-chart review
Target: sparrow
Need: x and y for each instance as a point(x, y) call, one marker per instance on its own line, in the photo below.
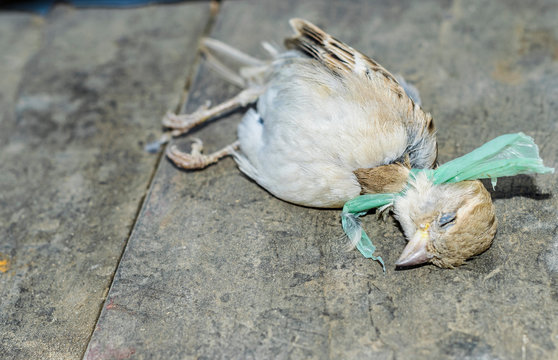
point(329, 124)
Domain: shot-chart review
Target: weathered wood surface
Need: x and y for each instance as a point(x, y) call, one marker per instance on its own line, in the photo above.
point(218, 268)
point(80, 90)
point(215, 267)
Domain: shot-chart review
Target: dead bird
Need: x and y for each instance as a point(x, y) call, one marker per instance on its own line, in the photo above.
point(330, 124)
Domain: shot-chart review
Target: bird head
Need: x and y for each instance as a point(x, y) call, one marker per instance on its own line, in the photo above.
point(445, 224)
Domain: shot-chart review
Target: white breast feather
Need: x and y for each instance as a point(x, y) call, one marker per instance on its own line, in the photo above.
point(314, 135)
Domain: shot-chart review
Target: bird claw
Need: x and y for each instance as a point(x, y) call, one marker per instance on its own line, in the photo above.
point(383, 212)
point(182, 123)
point(197, 146)
point(193, 160)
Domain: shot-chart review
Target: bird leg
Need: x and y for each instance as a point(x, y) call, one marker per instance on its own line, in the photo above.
point(181, 124)
point(195, 159)
point(251, 69)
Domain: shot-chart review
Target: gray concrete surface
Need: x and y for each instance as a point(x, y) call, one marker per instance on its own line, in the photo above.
point(215, 267)
point(81, 90)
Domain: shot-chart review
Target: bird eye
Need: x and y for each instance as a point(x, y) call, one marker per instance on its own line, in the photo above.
point(446, 219)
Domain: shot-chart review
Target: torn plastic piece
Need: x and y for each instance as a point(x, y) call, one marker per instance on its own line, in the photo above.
point(350, 221)
point(506, 155)
point(493, 182)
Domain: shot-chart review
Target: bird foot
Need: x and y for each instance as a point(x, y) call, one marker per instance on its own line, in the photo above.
point(183, 123)
point(193, 160)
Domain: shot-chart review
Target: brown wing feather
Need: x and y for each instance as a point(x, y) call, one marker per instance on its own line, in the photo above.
point(336, 55)
point(343, 59)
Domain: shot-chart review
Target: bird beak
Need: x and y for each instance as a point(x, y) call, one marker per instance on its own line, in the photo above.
point(415, 252)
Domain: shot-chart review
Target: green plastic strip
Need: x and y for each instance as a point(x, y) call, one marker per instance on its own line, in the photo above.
point(355, 208)
point(366, 202)
point(507, 155)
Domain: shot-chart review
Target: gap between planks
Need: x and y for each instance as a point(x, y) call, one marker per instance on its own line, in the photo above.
point(214, 7)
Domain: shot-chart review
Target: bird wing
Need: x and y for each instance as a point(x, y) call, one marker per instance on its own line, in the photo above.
point(344, 60)
point(336, 55)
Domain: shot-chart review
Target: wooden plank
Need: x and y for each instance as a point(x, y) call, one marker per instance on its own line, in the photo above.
point(218, 268)
point(73, 172)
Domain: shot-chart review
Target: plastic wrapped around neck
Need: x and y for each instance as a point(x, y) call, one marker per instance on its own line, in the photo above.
point(506, 155)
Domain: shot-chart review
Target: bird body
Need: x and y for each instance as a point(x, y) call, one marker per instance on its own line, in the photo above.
point(307, 151)
point(330, 124)
point(318, 122)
